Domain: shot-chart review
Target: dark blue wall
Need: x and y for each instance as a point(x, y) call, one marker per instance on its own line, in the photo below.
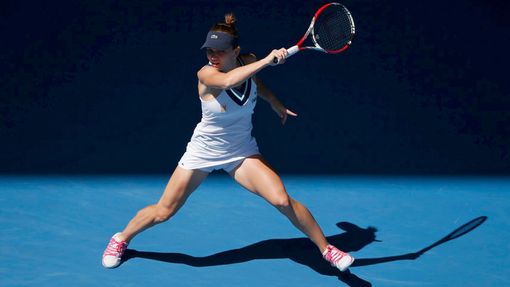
point(110, 86)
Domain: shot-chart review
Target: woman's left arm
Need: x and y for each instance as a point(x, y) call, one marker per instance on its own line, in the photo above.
point(268, 96)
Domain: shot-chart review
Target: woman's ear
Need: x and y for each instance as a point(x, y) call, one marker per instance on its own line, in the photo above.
point(237, 51)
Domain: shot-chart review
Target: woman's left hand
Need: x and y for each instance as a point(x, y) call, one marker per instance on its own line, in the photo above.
point(282, 111)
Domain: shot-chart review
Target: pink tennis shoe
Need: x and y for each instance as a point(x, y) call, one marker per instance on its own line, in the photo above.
point(337, 258)
point(113, 253)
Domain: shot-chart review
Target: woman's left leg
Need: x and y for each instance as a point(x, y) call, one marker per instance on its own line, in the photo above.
point(257, 176)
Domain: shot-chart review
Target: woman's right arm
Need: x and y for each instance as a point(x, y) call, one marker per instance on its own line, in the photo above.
point(213, 78)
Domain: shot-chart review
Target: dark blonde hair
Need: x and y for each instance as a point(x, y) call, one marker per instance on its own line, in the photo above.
point(228, 26)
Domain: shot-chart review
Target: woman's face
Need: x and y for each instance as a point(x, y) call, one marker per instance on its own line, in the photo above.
point(222, 59)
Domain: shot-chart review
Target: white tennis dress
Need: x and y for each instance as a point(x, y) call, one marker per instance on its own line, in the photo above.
point(223, 139)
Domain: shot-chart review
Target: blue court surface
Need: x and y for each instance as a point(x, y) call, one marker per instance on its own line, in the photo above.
point(55, 228)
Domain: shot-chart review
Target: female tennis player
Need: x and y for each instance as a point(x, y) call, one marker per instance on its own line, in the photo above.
point(228, 89)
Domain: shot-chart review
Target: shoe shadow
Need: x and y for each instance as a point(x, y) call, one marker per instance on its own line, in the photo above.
point(299, 250)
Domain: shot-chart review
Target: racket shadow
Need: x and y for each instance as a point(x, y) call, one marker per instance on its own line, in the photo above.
point(458, 232)
point(299, 250)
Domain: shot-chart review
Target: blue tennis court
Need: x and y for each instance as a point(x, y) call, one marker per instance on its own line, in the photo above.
point(110, 90)
point(55, 228)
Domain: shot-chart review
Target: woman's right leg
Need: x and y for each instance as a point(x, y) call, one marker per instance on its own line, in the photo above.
point(181, 184)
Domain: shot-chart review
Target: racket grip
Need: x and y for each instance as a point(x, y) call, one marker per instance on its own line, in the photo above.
point(290, 51)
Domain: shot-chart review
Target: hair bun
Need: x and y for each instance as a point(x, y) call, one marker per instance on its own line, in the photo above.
point(230, 19)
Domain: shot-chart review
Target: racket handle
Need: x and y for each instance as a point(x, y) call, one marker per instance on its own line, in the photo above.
point(290, 51)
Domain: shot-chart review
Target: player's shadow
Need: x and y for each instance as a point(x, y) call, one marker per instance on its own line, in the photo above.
point(300, 250)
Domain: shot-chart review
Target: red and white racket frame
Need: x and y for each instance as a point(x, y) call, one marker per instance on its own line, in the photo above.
point(298, 47)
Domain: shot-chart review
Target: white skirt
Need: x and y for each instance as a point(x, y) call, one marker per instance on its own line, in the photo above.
point(200, 156)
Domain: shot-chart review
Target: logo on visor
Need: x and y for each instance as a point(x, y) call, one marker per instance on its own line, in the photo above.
point(213, 36)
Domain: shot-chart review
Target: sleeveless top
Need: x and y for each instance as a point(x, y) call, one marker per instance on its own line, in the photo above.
point(224, 133)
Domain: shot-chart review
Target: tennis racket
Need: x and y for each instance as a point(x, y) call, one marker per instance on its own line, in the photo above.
point(465, 228)
point(331, 30)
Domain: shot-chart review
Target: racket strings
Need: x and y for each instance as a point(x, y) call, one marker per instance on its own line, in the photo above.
point(333, 28)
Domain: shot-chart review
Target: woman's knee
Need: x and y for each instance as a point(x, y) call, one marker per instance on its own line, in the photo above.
point(281, 201)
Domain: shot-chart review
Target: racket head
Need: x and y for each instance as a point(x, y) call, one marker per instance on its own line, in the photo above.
point(332, 28)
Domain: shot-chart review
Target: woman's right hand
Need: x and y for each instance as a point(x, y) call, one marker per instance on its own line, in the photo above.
point(280, 55)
